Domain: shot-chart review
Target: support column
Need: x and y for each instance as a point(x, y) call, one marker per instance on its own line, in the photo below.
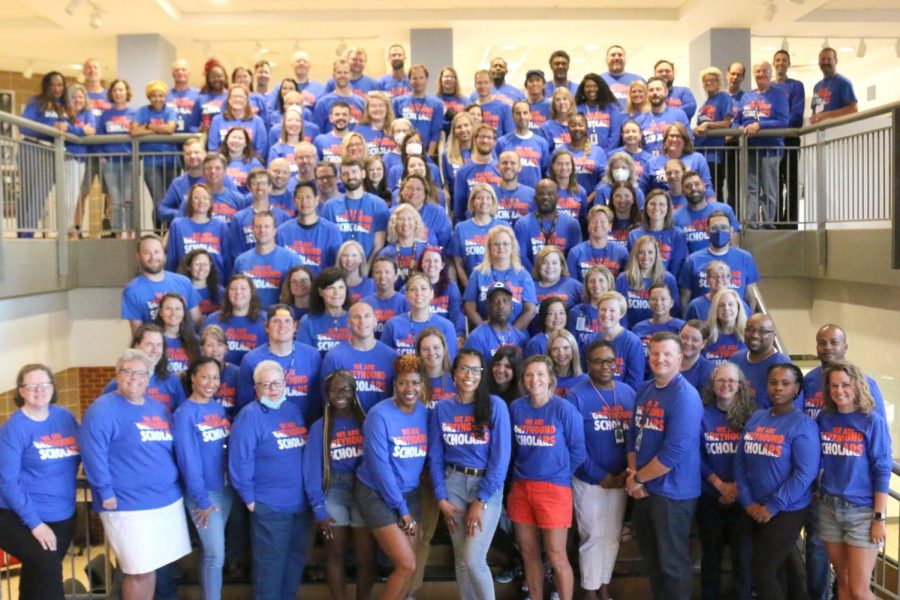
point(719, 48)
point(142, 58)
point(432, 48)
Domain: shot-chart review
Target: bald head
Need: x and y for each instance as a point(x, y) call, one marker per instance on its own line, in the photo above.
point(362, 322)
point(831, 344)
point(759, 335)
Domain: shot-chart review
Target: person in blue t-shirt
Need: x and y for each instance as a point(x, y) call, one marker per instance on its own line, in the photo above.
point(468, 243)
point(532, 150)
point(695, 367)
point(661, 116)
point(359, 215)
point(201, 429)
point(618, 80)
point(386, 301)
point(117, 165)
point(266, 264)
point(127, 445)
point(716, 112)
point(776, 467)
point(855, 483)
point(424, 111)
point(548, 448)
point(548, 225)
point(678, 97)
point(664, 468)
point(182, 97)
point(265, 466)
point(726, 321)
point(833, 96)
point(395, 447)
point(728, 404)
point(159, 164)
point(643, 270)
point(241, 318)
point(495, 108)
point(754, 362)
point(39, 460)
point(332, 456)
point(343, 91)
point(198, 230)
point(692, 218)
point(598, 104)
point(497, 330)
point(658, 221)
point(314, 239)
point(630, 355)
point(325, 326)
point(396, 82)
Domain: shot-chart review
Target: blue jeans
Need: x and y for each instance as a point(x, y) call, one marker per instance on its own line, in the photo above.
point(470, 553)
point(279, 542)
point(818, 567)
point(663, 532)
point(212, 538)
point(117, 175)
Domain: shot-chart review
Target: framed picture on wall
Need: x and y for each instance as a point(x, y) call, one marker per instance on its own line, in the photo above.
point(7, 102)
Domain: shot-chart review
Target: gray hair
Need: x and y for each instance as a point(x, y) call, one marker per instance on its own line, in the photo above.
point(267, 365)
point(131, 355)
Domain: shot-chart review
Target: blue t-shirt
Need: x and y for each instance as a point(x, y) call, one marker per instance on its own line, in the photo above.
point(487, 340)
point(240, 230)
point(265, 456)
point(533, 233)
point(267, 271)
point(672, 244)
point(316, 245)
point(116, 121)
point(620, 84)
point(242, 334)
point(777, 461)
point(743, 271)
point(182, 102)
point(814, 400)
point(519, 282)
point(682, 97)
point(770, 110)
point(514, 204)
point(301, 378)
point(548, 442)
point(638, 300)
point(395, 445)
point(323, 331)
point(796, 96)
point(498, 115)
point(699, 373)
point(655, 125)
point(128, 453)
point(584, 256)
point(140, 298)
point(717, 108)
point(359, 219)
point(145, 115)
point(568, 289)
point(603, 125)
point(201, 436)
point(469, 241)
point(186, 235)
point(38, 464)
point(693, 223)
point(386, 309)
point(832, 93)
point(533, 152)
point(725, 346)
point(169, 392)
point(454, 442)
point(718, 448)
point(540, 114)
point(666, 426)
point(401, 333)
point(630, 359)
point(590, 165)
point(756, 376)
point(395, 87)
point(606, 416)
point(467, 176)
point(426, 114)
point(205, 108)
point(373, 370)
point(322, 110)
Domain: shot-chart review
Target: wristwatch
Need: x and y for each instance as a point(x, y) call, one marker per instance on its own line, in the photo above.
point(880, 516)
point(637, 480)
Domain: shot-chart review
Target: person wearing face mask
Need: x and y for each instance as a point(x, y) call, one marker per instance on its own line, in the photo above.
point(692, 218)
point(411, 146)
point(546, 226)
point(621, 168)
point(265, 467)
point(744, 274)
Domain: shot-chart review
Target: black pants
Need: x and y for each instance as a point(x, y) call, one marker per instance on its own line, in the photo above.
point(664, 535)
point(41, 576)
point(773, 543)
point(787, 181)
point(723, 525)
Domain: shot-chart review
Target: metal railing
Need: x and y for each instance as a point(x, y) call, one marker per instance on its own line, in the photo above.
point(87, 567)
point(886, 577)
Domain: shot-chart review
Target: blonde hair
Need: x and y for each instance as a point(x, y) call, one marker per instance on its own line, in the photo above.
point(616, 297)
point(487, 189)
point(346, 142)
point(633, 270)
point(604, 272)
point(453, 149)
point(862, 393)
point(345, 247)
point(714, 71)
point(554, 114)
point(712, 319)
point(575, 365)
point(395, 216)
point(630, 108)
point(542, 255)
point(388, 115)
point(515, 261)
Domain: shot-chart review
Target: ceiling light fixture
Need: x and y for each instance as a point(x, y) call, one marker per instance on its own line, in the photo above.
point(826, 44)
point(861, 48)
point(785, 45)
point(96, 19)
point(73, 6)
point(769, 12)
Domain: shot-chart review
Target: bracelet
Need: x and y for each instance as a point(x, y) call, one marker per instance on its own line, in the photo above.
point(879, 516)
point(637, 479)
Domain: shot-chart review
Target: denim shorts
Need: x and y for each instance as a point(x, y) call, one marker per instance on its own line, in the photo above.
point(842, 522)
point(376, 513)
point(339, 501)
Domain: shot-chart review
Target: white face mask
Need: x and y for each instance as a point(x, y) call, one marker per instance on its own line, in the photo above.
point(399, 138)
point(620, 174)
point(414, 148)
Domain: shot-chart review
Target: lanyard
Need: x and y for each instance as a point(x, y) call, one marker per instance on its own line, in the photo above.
point(548, 234)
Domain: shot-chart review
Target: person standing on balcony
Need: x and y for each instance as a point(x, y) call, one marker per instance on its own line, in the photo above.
point(39, 459)
point(787, 171)
point(833, 97)
point(766, 107)
point(159, 158)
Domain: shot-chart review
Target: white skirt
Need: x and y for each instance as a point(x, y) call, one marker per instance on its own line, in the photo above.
point(145, 540)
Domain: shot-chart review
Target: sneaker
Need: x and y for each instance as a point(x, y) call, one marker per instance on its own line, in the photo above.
point(554, 595)
point(505, 576)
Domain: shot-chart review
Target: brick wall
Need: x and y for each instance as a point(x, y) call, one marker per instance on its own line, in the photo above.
point(76, 388)
point(24, 88)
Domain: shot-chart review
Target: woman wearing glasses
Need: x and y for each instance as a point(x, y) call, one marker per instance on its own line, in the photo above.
point(265, 464)
point(38, 460)
point(129, 459)
point(469, 456)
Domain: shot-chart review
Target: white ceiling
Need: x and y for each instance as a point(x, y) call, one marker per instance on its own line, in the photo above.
point(43, 34)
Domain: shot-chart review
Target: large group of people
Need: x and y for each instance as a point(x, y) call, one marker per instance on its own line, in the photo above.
point(369, 310)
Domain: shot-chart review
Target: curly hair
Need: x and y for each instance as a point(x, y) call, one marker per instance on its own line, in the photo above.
point(863, 400)
point(743, 404)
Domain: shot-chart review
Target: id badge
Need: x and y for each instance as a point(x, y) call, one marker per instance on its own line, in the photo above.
point(637, 440)
point(620, 434)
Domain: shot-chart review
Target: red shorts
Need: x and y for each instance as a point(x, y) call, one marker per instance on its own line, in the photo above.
point(547, 505)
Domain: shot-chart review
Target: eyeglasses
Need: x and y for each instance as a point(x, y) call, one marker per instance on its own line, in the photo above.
point(470, 370)
point(271, 385)
point(725, 381)
point(602, 362)
point(719, 227)
point(758, 331)
point(131, 373)
point(31, 387)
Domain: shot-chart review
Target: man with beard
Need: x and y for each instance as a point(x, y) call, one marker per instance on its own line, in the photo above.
point(342, 92)
point(481, 168)
point(328, 145)
point(616, 78)
point(833, 97)
point(692, 218)
point(424, 111)
point(546, 226)
point(559, 66)
point(396, 83)
point(754, 362)
point(359, 215)
point(502, 91)
point(140, 298)
point(679, 96)
point(661, 116)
